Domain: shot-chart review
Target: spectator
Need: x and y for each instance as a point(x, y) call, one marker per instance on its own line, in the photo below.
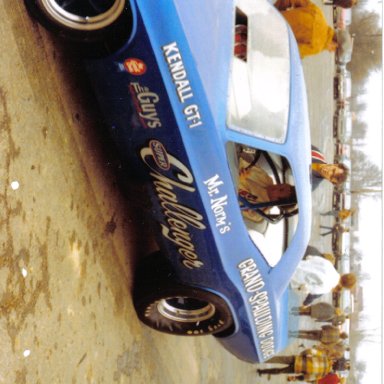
point(317, 276)
point(341, 214)
point(347, 281)
point(328, 334)
point(321, 170)
point(311, 364)
point(319, 312)
point(334, 351)
point(308, 23)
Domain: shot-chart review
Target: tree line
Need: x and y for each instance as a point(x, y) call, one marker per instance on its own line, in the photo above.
point(366, 58)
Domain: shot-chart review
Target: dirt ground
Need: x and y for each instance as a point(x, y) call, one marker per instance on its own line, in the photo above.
point(69, 239)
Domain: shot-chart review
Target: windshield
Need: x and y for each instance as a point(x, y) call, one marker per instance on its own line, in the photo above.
point(259, 84)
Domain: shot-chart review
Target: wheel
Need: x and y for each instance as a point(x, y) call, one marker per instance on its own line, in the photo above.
point(183, 311)
point(87, 22)
point(164, 304)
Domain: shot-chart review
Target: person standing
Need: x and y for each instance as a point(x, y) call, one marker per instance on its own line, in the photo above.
point(347, 281)
point(317, 276)
point(334, 351)
point(311, 364)
point(328, 334)
point(309, 25)
point(319, 312)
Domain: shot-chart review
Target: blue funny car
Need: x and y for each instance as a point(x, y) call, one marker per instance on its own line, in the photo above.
point(206, 100)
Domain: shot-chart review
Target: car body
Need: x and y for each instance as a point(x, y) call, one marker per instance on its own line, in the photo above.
point(346, 302)
point(342, 17)
point(179, 104)
point(342, 151)
point(340, 243)
point(341, 199)
point(344, 46)
point(342, 85)
point(342, 124)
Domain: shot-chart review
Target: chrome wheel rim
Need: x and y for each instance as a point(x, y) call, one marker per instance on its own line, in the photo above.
point(185, 309)
point(61, 12)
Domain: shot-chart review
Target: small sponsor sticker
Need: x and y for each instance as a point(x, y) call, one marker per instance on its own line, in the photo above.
point(159, 154)
point(135, 66)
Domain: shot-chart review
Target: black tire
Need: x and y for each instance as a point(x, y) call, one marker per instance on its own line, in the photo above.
point(98, 26)
point(167, 306)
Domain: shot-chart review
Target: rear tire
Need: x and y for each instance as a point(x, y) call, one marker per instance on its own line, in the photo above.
point(168, 306)
point(98, 26)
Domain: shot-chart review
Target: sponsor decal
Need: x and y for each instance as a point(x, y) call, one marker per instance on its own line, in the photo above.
point(182, 84)
point(135, 66)
point(160, 155)
point(218, 203)
point(259, 302)
point(170, 177)
point(145, 102)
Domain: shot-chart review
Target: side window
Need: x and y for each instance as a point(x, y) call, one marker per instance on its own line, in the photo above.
point(267, 197)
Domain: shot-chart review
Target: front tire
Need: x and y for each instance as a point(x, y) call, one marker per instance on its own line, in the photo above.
point(168, 306)
point(87, 23)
